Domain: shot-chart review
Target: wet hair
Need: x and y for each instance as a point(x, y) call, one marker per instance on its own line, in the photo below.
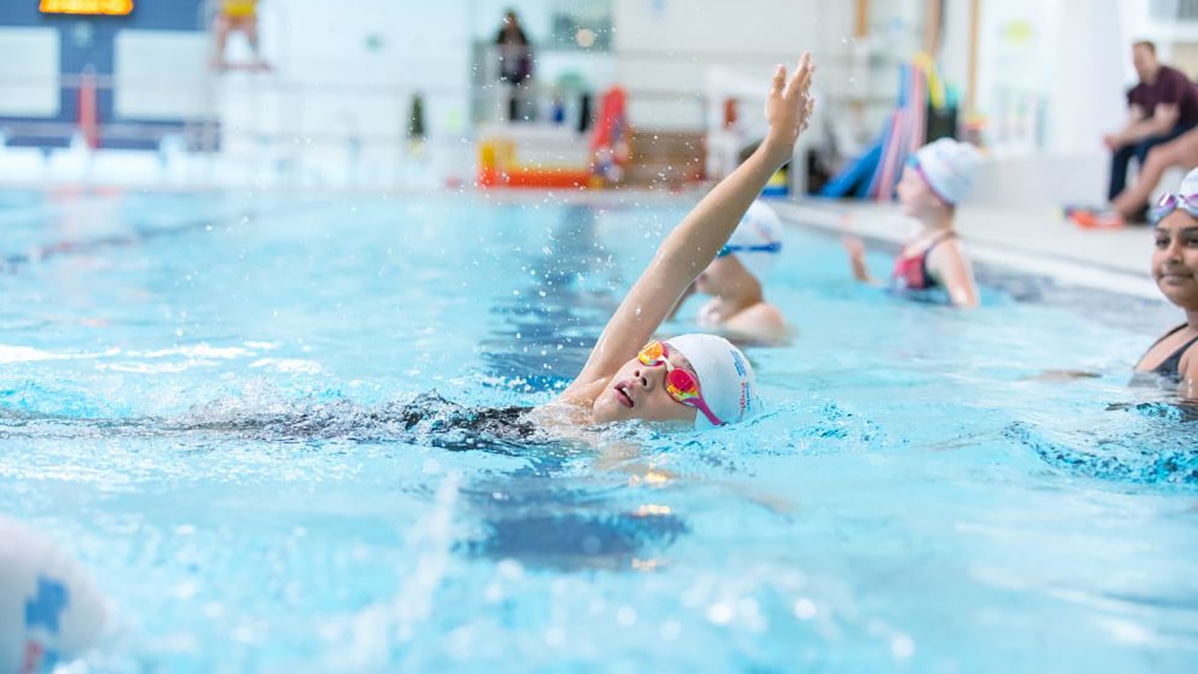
point(428, 419)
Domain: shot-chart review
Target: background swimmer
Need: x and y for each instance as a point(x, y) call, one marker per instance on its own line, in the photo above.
point(934, 181)
point(735, 280)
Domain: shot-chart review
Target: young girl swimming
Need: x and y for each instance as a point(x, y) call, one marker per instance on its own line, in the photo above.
point(702, 380)
point(699, 380)
point(1174, 357)
point(934, 181)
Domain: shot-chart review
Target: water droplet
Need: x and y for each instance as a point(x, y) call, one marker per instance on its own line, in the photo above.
point(626, 616)
point(902, 646)
point(720, 614)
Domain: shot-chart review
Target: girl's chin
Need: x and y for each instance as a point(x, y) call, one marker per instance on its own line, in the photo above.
point(606, 410)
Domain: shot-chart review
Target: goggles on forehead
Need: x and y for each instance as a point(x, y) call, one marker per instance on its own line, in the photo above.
point(1171, 201)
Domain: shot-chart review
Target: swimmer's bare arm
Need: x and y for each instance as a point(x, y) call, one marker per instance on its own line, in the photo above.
point(686, 295)
point(947, 262)
point(692, 245)
point(1061, 376)
point(855, 247)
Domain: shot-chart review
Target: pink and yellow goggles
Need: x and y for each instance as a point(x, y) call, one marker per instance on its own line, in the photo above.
point(681, 385)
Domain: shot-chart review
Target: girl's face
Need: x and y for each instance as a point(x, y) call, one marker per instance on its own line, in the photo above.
point(1175, 259)
point(723, 276)
point(637, 391)
point(917, 199)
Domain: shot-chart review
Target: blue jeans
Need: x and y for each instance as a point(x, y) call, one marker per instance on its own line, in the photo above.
point(1123, 156)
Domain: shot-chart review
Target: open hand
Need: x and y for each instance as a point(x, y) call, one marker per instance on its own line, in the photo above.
point(789, 105)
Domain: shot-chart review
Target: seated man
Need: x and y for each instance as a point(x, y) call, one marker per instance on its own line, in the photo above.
point(1163, 107)
point(242, 16)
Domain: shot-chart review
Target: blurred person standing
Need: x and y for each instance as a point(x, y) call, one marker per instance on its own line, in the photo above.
point(515, 61)
point(235, 16)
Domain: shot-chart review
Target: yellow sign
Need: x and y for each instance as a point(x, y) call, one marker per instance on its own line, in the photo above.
point(105, 7)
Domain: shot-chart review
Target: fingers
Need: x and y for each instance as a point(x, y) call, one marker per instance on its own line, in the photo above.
point(779, 82)
point(800, 82)
point(801, 69)
point(808, 110)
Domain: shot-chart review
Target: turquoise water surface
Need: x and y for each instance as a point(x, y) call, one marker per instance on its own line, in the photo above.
point(246, 416)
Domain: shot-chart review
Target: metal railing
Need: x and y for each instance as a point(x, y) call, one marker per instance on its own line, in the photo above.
point(267, 120)
point(284, 126)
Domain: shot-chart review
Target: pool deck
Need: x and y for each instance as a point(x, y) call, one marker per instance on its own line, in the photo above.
point(1033, 241)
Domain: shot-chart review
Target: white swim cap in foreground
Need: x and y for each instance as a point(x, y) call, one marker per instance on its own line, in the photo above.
point(757, 240)
point(949, 167)
point(49, 611)
point(726, 379)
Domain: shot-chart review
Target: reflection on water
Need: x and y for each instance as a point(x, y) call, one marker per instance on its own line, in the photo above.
point(549, 327)
point(532, 515)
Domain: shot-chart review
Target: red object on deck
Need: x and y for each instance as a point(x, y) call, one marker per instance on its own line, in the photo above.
point(610, 129)
point(548, 177)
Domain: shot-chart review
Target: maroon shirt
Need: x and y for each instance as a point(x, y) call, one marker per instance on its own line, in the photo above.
point(1172, 88)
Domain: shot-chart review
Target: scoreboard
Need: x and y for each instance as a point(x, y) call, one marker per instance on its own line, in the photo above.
point(88, 7)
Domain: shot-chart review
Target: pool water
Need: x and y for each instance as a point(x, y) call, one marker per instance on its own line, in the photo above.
point(241, 413)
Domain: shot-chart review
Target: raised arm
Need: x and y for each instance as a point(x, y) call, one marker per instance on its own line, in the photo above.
point(693, 244)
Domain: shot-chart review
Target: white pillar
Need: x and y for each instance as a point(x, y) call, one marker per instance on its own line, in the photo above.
point(1091, 53)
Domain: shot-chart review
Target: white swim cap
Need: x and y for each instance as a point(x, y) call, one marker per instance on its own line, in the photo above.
point(49, 611)
point(949, 168)
point(757, 240)
point(726, 379)
point(1189, 184)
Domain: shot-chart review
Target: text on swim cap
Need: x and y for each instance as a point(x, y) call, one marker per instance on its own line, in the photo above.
point(44, 610)
point(740, 366)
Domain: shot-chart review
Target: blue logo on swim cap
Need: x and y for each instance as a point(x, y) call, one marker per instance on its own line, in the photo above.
point(740, 366)
point(45, 609)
